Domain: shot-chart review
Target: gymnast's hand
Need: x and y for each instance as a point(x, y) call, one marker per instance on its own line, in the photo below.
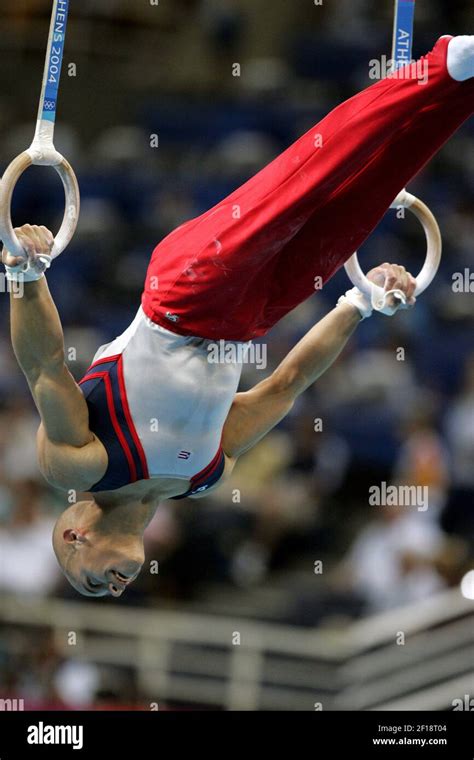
point(36, 242)
point(394, 277)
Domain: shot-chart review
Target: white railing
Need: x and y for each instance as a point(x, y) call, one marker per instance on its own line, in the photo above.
point(236, 663)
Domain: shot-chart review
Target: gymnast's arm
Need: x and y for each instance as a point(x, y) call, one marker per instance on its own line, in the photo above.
point(254, 413)
point(68, 451)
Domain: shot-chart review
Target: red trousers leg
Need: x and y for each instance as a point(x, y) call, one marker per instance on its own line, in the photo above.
point(233, 272)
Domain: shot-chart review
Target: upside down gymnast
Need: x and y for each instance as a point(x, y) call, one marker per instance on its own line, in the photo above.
point(218, 277)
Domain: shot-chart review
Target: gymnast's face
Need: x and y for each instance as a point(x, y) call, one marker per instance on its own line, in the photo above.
point(95, 564)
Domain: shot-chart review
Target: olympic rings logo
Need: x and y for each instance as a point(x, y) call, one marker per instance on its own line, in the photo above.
point(49, 105)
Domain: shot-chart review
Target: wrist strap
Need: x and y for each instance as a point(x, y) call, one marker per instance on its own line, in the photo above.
point(366, 307)
point(389, 311)
point(27, 273)
point(357, 299)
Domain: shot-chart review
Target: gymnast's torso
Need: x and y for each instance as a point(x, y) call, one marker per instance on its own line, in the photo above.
point(158, 404)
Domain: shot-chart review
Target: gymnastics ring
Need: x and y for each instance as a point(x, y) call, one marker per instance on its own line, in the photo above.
point(433, 254)
point(42, 151)
point(71, 188)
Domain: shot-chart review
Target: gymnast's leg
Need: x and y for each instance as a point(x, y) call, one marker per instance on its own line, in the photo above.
point(234, 271)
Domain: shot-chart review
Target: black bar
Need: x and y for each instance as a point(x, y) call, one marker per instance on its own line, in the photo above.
point(134, 735)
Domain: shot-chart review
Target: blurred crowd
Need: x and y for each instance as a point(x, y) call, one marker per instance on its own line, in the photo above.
point(159, 128)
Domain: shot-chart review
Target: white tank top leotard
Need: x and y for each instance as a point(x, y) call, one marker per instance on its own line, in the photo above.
point(178, 397)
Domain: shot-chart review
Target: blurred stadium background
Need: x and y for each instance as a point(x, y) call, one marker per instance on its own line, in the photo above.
point(244, 562)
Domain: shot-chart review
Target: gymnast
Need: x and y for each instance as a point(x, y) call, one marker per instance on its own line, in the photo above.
point(153, 418)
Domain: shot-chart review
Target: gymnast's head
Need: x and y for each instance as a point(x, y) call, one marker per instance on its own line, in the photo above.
point(98, 553)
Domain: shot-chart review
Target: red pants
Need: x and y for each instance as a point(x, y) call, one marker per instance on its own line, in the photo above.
point(233, 272)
